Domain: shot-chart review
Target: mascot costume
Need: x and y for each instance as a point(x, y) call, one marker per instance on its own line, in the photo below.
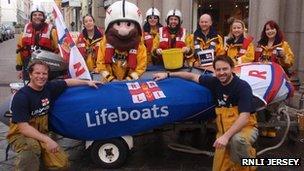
point(122, 54)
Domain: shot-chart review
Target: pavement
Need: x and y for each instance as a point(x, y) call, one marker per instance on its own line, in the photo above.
point(151, 150)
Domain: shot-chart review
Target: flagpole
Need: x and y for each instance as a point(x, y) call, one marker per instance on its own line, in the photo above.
point(68, 48)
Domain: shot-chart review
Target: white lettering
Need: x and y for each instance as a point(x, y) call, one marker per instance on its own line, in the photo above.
point(164, 111)
point(121, 113)
point(97, 117)
point(103, 117)
point(252, 162)
point(135, 112)
point(154, 109)
point(89, 124)
point(112, 117)
point(146, 114)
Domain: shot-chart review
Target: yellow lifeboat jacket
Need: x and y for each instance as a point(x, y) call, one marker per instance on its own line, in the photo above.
point(241, 51)
point(210, 41)
point(89, 47)
point(113, 64)
point(269, 54)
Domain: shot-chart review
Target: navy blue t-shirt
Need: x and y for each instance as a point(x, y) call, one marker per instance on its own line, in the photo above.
point(237, 93)
point(28, 103)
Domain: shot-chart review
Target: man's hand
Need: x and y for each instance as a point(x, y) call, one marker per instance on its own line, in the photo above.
point(95, 71)
point(221, 142)
point(160, 76)
point(159, 51)
point(93, 83)
point(51, 145)
point(185, 50)
point(19, 75)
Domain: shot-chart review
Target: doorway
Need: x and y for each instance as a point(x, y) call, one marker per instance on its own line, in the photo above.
point(223, 12)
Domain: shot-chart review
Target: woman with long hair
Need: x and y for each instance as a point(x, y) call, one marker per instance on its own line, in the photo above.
point(150, 28)
point(273, 48)
point(88, 41)
point(239, 44)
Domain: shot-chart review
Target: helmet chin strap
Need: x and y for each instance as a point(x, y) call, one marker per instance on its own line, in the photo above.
point(38, 26)
point(174, 30)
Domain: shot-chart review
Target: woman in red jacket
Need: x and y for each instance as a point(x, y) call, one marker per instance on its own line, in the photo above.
point(88, 42)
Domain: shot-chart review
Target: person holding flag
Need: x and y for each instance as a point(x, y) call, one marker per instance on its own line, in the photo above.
point(37, 34)
point(68, 48)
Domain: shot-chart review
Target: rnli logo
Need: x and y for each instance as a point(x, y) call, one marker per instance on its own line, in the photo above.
point(45, 102)
point(145, 91)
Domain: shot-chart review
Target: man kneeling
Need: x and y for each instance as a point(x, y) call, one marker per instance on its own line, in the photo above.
point(235, 117)
point(29, 126)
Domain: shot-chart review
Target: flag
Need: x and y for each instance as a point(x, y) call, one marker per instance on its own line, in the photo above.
point(68, 49)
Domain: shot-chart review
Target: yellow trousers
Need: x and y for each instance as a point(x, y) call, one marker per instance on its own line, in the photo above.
point(239, 146)
point(29, 151)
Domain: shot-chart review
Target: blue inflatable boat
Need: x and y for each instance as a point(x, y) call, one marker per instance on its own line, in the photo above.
point(127, 108)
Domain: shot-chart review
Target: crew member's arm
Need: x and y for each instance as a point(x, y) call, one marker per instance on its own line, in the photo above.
point(141, 65)
point(219, 48)
point(19, 63)
point(77, 82)
point(190, 50)
point(287, 58)
point(240, 123)
point(101, 66)
point(185, 75)
point(29, 131)
point(249, 55)
point(155, 48)
point(54, 37)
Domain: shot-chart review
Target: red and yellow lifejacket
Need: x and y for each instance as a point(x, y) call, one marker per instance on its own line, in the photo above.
point(165, 38)
point(28, 39)
point(148, 41)
point(263, 53)
point(85, 47)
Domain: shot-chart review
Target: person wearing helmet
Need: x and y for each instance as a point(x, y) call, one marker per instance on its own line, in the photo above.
point(122, 53)
point(206, 38)
point(173, 36)
point(151, 28)
point(37, 34)
point(88, 42)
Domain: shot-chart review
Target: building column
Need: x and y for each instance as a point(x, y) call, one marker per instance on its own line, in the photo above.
point(300, 54)
point(291, 27)
point(260, 11)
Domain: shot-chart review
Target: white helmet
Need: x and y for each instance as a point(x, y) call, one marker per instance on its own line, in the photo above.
point(39, 8)
point(122, 11)
point(153, 12)
point(174, 12)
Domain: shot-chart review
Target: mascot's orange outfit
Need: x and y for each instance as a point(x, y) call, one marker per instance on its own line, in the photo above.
point(122, 54)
